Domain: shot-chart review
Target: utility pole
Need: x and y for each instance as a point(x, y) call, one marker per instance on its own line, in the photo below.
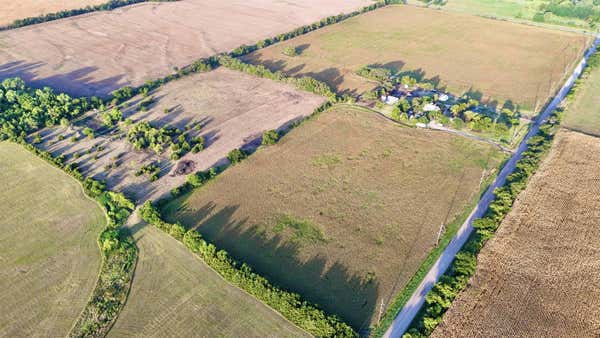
point(380, 312)
point(437, 241)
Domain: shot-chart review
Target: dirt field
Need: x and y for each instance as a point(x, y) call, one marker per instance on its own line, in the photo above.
point(14, 10)
point(233, 109)
point(49, 258)
point(100, 52)
point(343, 210)
point(583, 114)
point(175, 294)
point(539, 276)
point(499, 60)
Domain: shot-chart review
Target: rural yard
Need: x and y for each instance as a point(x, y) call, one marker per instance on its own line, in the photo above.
point(228, 109)
point(493, 59)
point(539, 275)
point(176, 294)
point(97, 53)
point(344, 209)
point(15, 10)
point(49, 257)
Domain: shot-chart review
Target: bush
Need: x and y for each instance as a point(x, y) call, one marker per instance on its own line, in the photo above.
point(290, 51)
point(270, 137)
point(235, 156)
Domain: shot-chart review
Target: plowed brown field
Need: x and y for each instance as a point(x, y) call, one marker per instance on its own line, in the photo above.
point(21, 9)
point(539, 276)
point(96, 53)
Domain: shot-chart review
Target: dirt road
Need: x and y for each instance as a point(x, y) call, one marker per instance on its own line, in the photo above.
point(411, 308)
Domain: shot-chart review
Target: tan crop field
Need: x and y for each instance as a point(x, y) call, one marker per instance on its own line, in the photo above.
point(21, 9)
point(499, 60)
point(49, 257)
point(232, 109)
point(343, 209)
point(175, 294)
point(97, 53)
point(538, 277)
point(584, 112)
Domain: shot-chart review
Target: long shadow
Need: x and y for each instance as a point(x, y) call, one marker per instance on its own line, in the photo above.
point(79, 82)
point(331, 285)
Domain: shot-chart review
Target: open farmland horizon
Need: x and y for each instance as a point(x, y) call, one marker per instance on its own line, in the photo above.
point(97, 53)
point(50, 257)
point(546, 246)
point(343, 209)
point(495, 60)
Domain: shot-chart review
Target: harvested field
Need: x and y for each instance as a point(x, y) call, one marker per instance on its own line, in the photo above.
point(97, 53)
point(583, 113)
point(14, 10)
point(538, 277)
point(49, 255)
point(232, 109)
point(343, 210)
point(175, 294)
point(489, 58)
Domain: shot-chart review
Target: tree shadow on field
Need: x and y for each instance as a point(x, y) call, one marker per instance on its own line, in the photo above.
point(333, 286)
point(78, 82)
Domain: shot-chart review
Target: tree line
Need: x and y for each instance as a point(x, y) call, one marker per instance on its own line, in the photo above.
point(456, 279)
point(119, 252)
point(110, 5)
point(290, 305)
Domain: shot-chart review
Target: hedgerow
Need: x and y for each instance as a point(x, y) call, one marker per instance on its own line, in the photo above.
point(290, 305)
point(119, 253)
point(110, 5)
point(440, 298)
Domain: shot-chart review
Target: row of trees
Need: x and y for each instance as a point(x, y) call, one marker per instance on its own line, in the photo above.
point(290, 305)
point(118, 251)
point(110, 5)
point(26, 110)
point(440, 298)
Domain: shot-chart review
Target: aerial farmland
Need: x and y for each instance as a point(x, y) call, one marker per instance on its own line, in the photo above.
point(263, 168)
point(493, 59)
point(344, 183)
point(545, 247)
point(99, 52)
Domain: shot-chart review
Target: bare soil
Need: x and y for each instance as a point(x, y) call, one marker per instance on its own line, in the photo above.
point(97, 53)
point(233, 109)
point(538, 277)
point(21, 9)
point(491, 59)
point(343, 209)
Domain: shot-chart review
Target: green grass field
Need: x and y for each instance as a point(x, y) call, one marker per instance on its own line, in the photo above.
point(344, 209)
point(49, 257)
point(175, 294)
point(491, 59)
point(583, 113)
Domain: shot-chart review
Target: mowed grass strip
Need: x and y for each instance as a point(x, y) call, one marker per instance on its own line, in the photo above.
point(583, 113)
point(175, 294)
point(49, 256)
point(538, 277)
point(343, 210)
point(495, 59)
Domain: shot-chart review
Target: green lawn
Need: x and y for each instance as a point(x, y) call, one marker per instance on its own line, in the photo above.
point(49, 257)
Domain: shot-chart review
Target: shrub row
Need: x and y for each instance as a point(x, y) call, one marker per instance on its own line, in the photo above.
point(592, 63)
point(118, 252)
point(440, 298)
point(290, 305)
point(110, 5)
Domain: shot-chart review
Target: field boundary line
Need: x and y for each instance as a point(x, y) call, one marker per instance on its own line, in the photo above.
point(410, 309)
